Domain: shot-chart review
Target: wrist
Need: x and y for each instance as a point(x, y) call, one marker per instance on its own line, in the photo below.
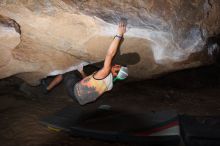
point(118, 36)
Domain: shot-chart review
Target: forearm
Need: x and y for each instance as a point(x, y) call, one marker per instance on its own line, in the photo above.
point(55, 82)
point(113, 47)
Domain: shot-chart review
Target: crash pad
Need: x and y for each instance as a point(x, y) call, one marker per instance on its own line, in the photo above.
point(107, 123)
point(200, 130)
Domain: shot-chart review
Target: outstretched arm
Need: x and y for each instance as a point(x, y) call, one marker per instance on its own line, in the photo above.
point(55, 82)
point(102, 73)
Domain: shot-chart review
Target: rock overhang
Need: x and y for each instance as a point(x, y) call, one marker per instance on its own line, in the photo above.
point(58, 36)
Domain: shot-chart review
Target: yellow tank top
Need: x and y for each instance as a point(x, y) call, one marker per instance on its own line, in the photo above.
point(89, 89)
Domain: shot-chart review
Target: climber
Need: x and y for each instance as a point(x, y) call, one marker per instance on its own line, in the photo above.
point(84, 88)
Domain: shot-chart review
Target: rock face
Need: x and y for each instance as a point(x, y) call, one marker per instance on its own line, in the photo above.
point(10, 38)
point(49, 37)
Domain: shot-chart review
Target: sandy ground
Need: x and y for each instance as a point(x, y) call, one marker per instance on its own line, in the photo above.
point(194, 92)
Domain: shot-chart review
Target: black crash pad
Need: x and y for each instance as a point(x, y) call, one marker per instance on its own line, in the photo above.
point(105, 123)
point(200, 130)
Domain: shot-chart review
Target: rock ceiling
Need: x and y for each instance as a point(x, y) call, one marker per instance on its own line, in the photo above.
point(49, 37)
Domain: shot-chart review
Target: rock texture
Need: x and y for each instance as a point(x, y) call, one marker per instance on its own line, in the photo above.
point(49, 37)
point(10, 38)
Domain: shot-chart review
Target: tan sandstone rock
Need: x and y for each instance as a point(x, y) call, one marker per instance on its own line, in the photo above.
point(56, 36)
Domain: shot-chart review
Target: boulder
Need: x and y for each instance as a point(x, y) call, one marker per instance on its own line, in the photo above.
point(44, 38)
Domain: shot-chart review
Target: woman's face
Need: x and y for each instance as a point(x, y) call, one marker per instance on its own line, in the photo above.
point(115, 69)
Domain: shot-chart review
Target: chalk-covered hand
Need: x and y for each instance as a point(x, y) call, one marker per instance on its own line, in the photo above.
point(121, 28)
